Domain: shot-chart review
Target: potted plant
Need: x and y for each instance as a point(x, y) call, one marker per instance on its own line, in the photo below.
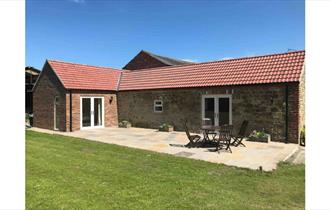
point(166, 127)
point(125, 124)
point(28, 120)
point(302, 136)
point(259, 136)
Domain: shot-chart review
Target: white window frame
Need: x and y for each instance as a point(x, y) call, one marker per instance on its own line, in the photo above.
point(158, 105)
point(216, 106)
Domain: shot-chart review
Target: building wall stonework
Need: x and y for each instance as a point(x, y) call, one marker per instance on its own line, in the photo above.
point(262, 105)
point(44, 94)
point(110, 109)
point(302, 101)
point(293, 107)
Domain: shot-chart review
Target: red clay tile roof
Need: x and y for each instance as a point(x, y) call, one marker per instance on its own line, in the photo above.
point(85, 77)
point(275, 68)
point(284, 67)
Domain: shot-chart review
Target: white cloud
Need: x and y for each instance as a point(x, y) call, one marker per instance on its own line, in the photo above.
point(78, 1)
point(241, 56)
point(226, 58)
point(190, 60)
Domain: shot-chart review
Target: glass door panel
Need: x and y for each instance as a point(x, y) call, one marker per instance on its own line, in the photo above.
point(98, 112)
point(223, 115)
point(86, 112)
point(209, 109)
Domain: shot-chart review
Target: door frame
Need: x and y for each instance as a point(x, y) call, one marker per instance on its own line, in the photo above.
point(92, 113)
point(216, 106)
point(55, 113)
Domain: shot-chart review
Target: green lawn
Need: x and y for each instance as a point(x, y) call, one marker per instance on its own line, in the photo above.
point(71, 173)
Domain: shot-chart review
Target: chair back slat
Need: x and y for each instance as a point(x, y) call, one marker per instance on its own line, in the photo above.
point(242, 130)
point(226, 131)
point(187, 130)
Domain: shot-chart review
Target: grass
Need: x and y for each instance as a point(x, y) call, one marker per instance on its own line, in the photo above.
point(72, 173)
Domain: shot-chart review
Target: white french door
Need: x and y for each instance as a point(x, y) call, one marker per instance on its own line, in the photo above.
point(217, 108)
point(91, 112)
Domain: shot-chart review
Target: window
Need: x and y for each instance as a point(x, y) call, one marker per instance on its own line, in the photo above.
point(158, 106)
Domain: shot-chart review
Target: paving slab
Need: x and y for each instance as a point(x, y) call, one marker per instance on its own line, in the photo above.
point(253, 156)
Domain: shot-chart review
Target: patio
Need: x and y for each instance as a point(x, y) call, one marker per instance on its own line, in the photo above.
point(253, 156)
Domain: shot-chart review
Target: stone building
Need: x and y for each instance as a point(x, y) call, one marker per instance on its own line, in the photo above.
point(267, 90)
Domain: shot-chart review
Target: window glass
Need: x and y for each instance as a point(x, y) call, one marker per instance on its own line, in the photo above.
point(158, 106)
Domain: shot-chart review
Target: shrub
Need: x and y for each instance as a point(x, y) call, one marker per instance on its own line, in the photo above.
point(166, 127)
point(259, 136)
point(302, 135)
point(124, 124)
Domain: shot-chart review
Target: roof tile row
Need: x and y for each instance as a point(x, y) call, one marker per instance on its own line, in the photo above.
point(285, 67)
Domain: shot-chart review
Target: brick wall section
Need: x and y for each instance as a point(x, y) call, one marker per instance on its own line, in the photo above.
point(262, 105)
point(143, 61)
point(110, 115)
point(50, 86)
point(47, 88)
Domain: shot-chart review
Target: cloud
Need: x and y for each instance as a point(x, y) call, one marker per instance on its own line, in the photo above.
point(190, 60)
point(240, 56)
point(226, 58)
point(77, 1)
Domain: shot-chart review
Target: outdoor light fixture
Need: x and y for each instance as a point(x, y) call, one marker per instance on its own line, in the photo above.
point(110, 100)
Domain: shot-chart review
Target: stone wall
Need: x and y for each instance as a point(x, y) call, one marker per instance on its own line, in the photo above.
point(44, 94)
point(262, 105)
point(302, 101)
point(293, 107)
point(110, 109)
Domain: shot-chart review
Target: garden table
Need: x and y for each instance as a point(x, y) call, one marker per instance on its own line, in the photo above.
point(209, 129)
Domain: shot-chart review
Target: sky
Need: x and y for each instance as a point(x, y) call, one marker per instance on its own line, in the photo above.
point(111, 33)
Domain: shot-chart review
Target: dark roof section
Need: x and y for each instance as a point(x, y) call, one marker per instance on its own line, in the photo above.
point(161, 60)
point(167, 60)
point(32, 70)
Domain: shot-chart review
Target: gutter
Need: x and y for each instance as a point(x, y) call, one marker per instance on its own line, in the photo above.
point(286, 114)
